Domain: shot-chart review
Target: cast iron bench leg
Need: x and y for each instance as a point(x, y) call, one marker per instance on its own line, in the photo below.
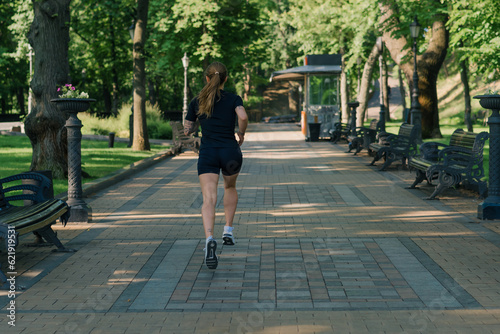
point(418, 179)
point(48, 234)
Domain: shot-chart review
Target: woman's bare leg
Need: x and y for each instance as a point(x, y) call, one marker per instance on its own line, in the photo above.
point(230, 198)
point(208, 183)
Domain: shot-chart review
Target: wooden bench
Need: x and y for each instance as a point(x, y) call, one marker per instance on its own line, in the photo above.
point(37, 217)
point(460, 160)
point(180, 140)
point(340, 131)
point(401, 146)
point(364, 137)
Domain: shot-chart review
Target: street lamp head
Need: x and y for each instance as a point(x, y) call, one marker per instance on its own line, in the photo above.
point(131, 30)
point(358, 61)
point(380, 44)
point(185, 60)
point(414, 28)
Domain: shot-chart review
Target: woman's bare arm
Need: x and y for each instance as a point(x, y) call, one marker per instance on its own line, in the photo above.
point(189, 127)
point(242, 123)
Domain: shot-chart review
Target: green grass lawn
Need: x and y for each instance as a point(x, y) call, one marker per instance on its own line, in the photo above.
point(97, 159)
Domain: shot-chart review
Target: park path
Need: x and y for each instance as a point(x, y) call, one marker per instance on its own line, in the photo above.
point(325, 244)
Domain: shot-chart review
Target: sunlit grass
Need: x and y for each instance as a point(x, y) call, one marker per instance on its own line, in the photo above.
point(98, 159)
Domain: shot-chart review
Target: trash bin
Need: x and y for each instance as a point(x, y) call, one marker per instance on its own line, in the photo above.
point(314, 129)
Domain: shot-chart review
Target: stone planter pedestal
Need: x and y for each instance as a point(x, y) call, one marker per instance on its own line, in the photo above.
point(80, 211)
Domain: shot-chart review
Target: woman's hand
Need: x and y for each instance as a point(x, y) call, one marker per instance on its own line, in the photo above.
point(241, 137)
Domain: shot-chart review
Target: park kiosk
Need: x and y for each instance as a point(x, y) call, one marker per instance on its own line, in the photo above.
point(321, 106)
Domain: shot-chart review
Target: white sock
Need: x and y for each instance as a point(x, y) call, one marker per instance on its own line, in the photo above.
point(228, 229)
point(209, 238)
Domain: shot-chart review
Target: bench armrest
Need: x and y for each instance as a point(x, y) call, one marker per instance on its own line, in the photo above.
point(452, 154)
point(430, 150)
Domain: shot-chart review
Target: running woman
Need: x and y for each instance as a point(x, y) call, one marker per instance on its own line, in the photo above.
point(217, 111)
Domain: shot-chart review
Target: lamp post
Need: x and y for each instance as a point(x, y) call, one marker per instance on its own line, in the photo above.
point(131, 31)
point(380, 47)
point(185, 63)
point(416, 114)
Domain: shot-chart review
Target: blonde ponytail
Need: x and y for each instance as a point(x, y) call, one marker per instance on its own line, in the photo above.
point(217, 74)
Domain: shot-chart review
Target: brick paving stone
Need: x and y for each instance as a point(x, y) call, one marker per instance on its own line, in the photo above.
point(315, 240)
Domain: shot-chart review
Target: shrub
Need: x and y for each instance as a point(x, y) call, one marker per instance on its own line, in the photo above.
point(158, 128)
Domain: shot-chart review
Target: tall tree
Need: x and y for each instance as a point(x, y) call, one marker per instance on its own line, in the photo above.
point(140, 140)
point(474, 32)
point(15, 17)
point(428, 63)
point(100, 45)
point(49, 37)
point(465, 82)
point(365, 83)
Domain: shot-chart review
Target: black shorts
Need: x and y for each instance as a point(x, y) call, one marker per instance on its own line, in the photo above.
point(214, 159)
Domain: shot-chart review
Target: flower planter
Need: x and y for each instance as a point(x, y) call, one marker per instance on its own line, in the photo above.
point(489, 101)
point(73, 104)
point(80, 212)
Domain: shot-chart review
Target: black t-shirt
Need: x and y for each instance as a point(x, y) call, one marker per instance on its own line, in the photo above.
point(218, 129)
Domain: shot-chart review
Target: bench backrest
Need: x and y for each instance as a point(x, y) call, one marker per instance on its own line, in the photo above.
point(406, 130)
point(463, 139)
point(10, 189)
point(470, 154)
point(177, 130)
point(406, 140)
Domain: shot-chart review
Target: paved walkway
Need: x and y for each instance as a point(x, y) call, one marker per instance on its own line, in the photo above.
point(325, 244)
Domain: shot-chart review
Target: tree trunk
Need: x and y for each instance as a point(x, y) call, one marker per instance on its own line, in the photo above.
point(293, 98)
point(247, 82)
point(428, 64)
point(402, 91)
point(20, 100)
point(152, 93)
point(365, 84)
point(141, 140)
point(344, 95)
point(49, 37)
point(108, 100)
point(465, 82)
point(385, 90)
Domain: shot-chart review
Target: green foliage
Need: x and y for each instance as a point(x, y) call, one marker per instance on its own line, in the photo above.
point(475, 34)
point(94, 125)
point(158, 128)
point(15, 17)
point(252, 37)
point(100, 51)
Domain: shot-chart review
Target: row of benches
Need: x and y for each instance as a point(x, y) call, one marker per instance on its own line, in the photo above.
point(447, 165)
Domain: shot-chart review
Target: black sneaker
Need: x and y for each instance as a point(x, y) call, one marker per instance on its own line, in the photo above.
point(210, 254)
